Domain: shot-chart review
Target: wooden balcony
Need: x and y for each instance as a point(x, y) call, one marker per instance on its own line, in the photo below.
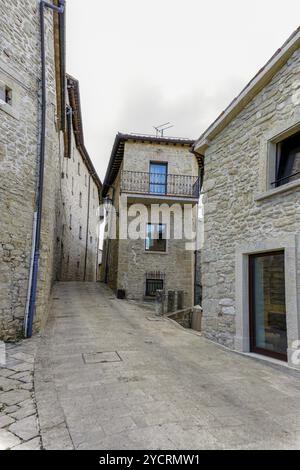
point(160, 186)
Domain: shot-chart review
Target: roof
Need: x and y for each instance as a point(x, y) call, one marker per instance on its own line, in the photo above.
point(258, 82)
point(117, 153)
point(59, 34)
point(74, 99)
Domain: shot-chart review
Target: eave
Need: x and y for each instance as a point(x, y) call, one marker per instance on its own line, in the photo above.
point(117, 153)
point(74, 99)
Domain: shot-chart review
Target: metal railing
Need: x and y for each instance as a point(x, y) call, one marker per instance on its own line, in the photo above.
point(159, 184)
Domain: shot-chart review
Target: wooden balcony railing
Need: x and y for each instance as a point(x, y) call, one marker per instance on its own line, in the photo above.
point(159, 184)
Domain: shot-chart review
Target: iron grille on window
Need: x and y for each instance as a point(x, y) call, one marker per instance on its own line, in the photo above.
point(154, 282)
point(152, 285)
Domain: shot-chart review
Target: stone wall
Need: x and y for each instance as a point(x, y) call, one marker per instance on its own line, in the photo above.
point(79, 220)
point(19, 130)
point(137, 157)
point(127, 260)
point(234, 214)
point(19, 153)
point(176, 265)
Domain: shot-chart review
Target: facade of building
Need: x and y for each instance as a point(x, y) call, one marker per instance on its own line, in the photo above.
point(251, 253)
point(23, 102)
point(144, 255)
point(80, 194)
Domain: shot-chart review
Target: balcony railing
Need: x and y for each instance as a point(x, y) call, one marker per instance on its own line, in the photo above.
point(159, 184)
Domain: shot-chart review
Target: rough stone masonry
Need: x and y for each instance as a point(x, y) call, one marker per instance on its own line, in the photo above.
point(243, 213)
point(20, 76)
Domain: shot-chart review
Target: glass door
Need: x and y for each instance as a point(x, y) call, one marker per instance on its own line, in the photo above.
point(158, 178)
point(268, 333)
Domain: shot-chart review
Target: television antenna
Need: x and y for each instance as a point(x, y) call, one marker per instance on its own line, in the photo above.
point(162, 128)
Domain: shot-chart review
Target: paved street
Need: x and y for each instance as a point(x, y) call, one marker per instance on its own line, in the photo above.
point(160, 386)
point(18, 415)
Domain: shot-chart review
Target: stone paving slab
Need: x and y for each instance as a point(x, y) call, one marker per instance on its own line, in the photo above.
point(171, 389)
point(19, 429)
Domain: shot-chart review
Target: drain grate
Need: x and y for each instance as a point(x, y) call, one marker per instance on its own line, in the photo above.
point(101, 357)
point(155, 318)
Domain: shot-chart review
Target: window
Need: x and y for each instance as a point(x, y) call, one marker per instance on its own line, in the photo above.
point(78, 168)
point(152, 285)
point(80, 199)
point(287, 168)
point(80, 232)
point(6, 95)
point(70, 221)
point(158, 178)
point(156, 237)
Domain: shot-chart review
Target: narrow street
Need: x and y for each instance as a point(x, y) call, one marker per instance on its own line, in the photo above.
point(110, 375)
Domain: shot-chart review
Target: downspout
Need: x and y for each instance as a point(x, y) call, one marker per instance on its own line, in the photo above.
point(108, 240)
point(200, 179)
point(87, 228)
point(195, 277)
point(36, 240)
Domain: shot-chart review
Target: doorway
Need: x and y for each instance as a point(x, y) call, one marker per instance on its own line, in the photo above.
point(267, 304)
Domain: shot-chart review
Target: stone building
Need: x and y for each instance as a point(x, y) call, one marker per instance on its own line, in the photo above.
point(27, 29)
point(147, 173)
point(80, 194)
point(251, 254)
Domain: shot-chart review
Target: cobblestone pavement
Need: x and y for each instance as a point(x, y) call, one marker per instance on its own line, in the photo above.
point(19, 428)
point(156, 386)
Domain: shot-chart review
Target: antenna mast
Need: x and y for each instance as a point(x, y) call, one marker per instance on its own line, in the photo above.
point(162, 128)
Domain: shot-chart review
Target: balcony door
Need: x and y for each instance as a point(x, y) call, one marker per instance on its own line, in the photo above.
point(268, 331)
point(158, 178)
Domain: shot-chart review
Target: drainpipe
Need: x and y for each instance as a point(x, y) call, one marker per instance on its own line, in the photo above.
point(36, 239)
point(108, 240)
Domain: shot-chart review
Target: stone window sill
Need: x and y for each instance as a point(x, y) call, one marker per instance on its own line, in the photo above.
point(8, 109)
point(274, 192)
point(156, 252)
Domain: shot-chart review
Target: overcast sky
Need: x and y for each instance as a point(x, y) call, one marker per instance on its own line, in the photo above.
point(142, 63)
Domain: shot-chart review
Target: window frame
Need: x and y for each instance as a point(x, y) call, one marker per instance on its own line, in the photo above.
point(267, 159)
point(279, 155)
point(148, 250)
point(165, 184)
point(272, 154)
